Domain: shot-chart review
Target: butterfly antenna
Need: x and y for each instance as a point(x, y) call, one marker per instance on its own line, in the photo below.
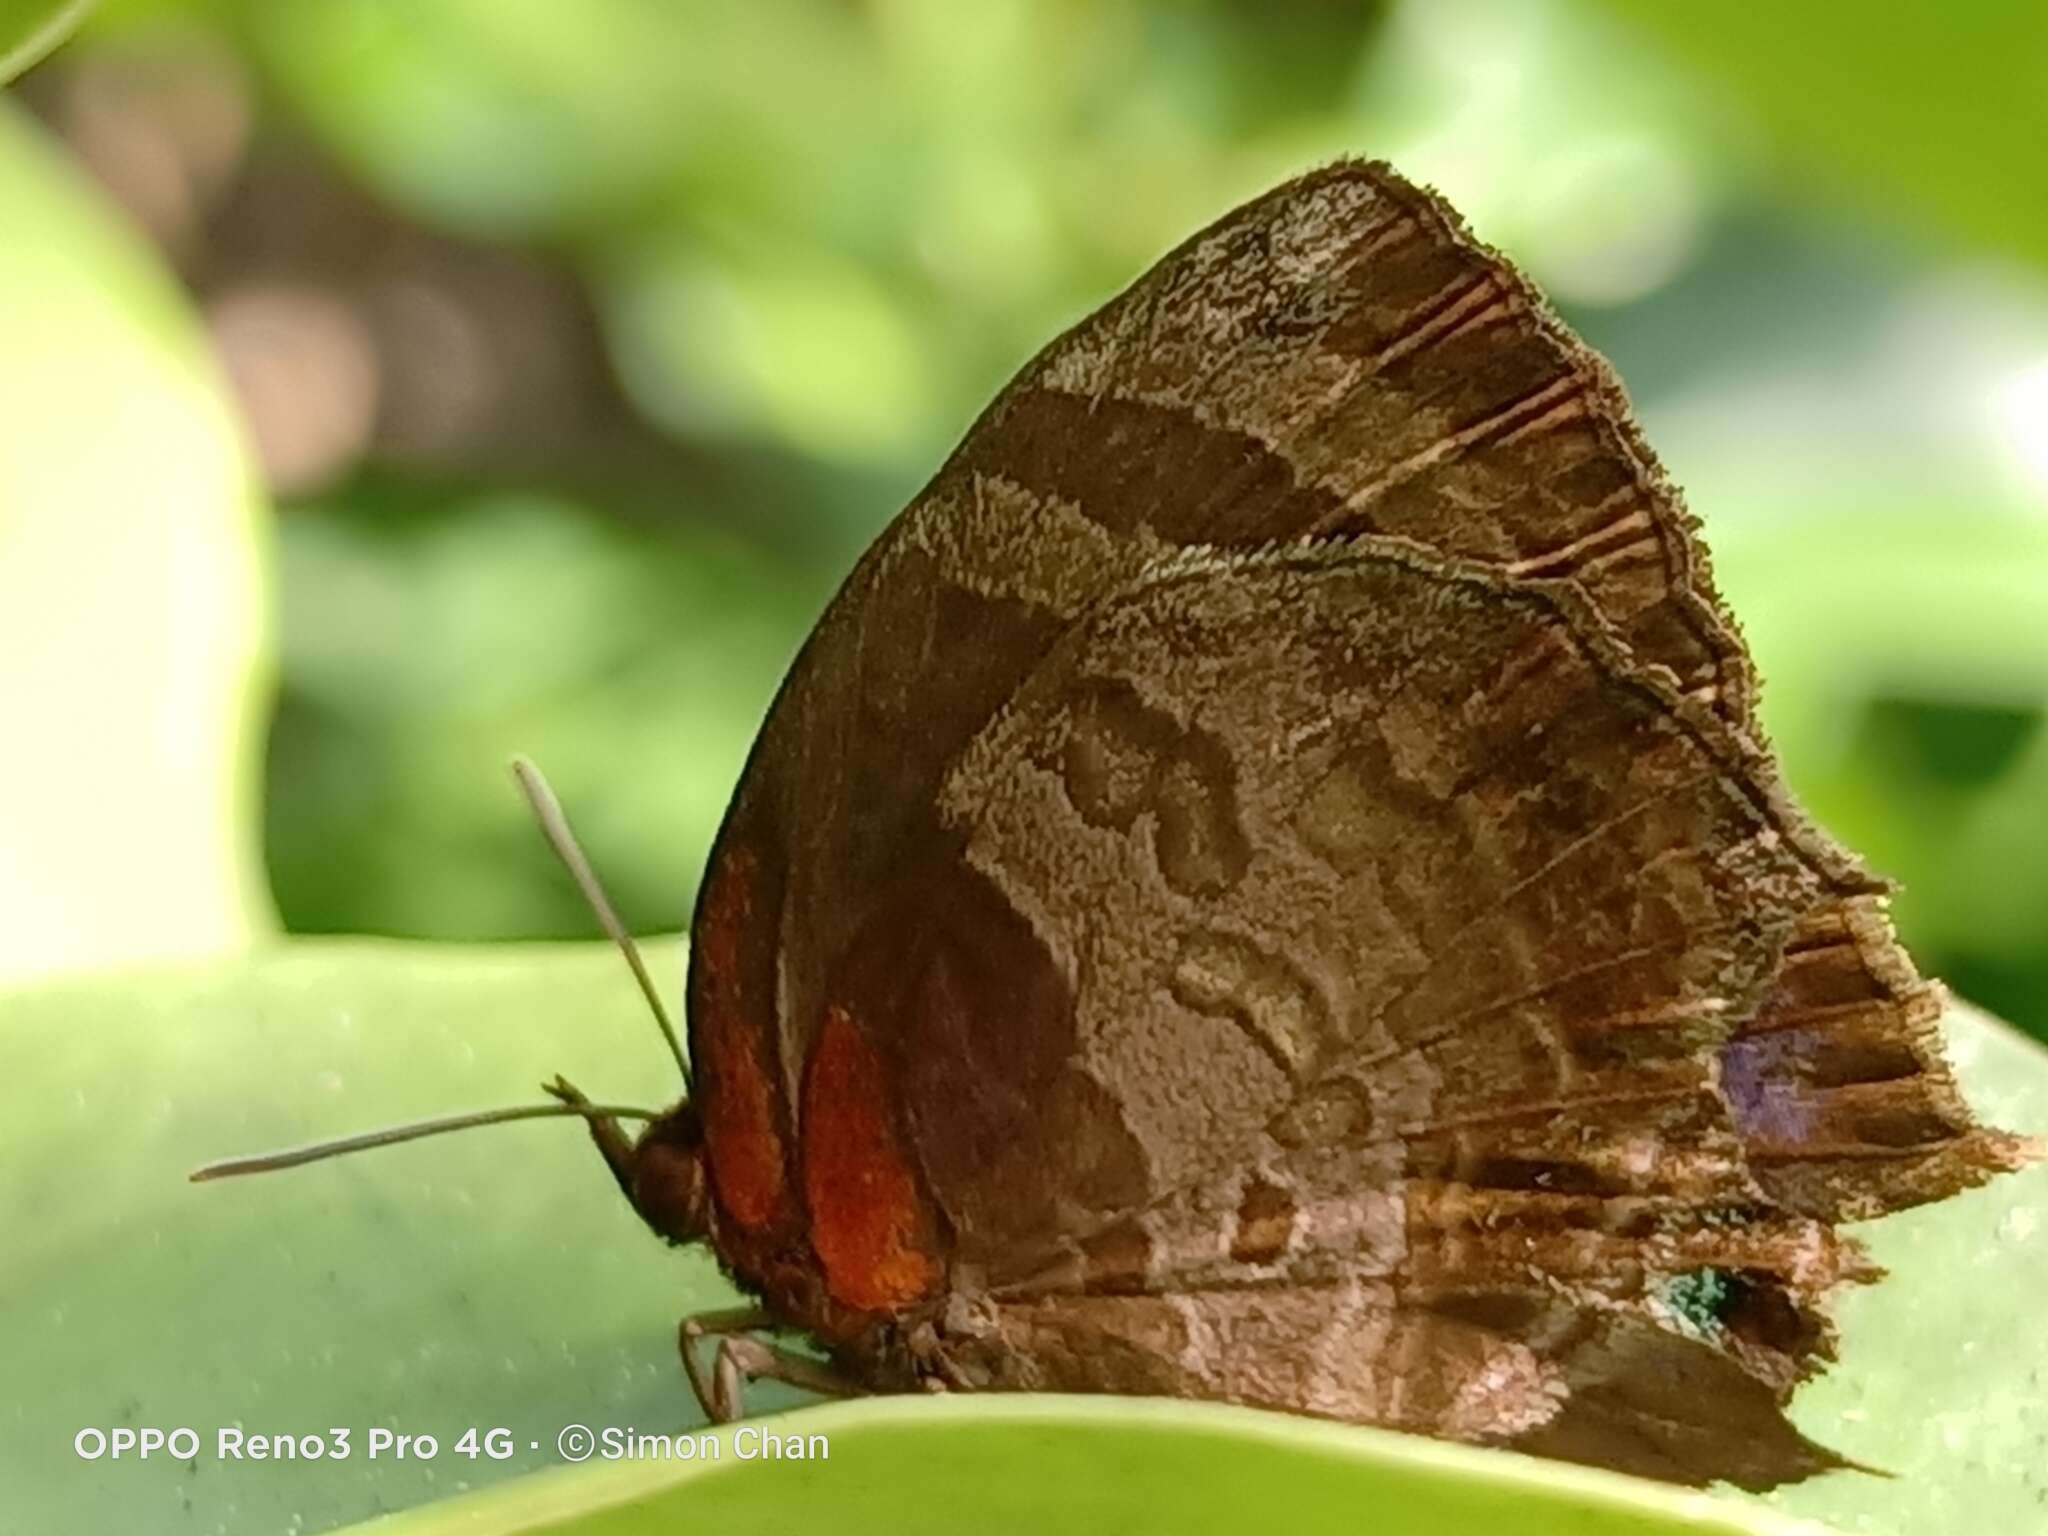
point(392, 1135)
point(554, 826)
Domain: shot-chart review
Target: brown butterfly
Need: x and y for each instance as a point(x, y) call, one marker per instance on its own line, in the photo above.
point(1266, 884)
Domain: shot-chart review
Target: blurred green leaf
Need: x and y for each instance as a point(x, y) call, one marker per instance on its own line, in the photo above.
point(1930, 113)
point(29, 29)
point(812, 352)
point(505, 120)
point(429, 643)
point(1905, 665)
point(496, 1278)
point(133, 618)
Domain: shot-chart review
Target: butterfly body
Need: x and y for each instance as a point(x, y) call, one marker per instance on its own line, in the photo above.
point(1266, 885)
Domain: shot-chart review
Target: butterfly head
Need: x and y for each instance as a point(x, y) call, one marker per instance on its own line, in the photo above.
point(664, 1177)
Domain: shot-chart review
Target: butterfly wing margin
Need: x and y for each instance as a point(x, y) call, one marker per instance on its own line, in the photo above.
point(1527, 1370)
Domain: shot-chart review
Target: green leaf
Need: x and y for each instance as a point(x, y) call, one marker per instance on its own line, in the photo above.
point(29, 29)
point(494, 1278)
point(1934, 113)
point(497, 1279)
point(1026, 1465)
point(133, 624)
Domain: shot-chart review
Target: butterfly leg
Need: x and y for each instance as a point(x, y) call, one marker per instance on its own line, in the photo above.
point(741, 1358)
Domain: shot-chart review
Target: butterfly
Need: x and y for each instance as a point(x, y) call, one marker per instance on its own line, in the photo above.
point(1266, 884)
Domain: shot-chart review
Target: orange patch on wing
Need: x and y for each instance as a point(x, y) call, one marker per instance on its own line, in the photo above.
point(742, 1132)
point(869, 1221)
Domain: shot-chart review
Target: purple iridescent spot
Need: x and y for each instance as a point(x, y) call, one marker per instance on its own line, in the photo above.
point(1769, 1102)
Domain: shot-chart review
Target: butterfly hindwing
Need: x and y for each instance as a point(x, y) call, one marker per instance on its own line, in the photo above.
point(1335, 810)
point(1335, 1162)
